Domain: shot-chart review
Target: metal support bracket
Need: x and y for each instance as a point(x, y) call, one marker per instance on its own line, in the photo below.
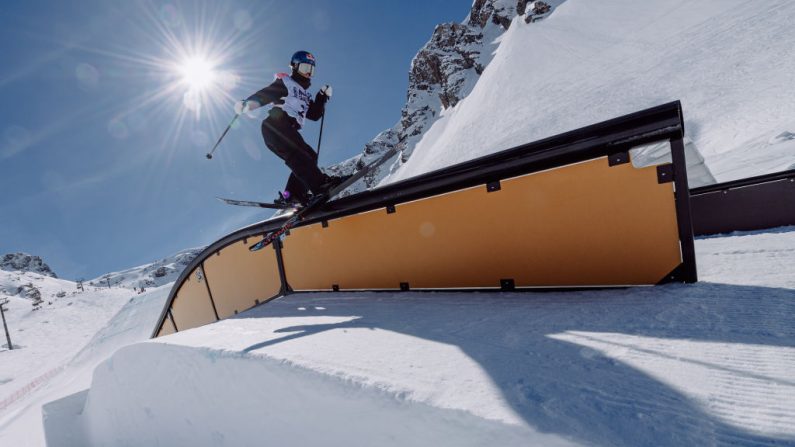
point(665, 173)
point(619, 158)
point(507, 284)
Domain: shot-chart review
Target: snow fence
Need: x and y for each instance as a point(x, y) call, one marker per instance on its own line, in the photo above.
point(568, 211)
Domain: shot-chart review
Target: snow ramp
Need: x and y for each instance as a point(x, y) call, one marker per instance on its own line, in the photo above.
point(574, 210)
point(166, 394)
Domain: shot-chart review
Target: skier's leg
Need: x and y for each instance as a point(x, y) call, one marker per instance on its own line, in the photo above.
point(288, 144)
point(296, 189)
point(303, 163)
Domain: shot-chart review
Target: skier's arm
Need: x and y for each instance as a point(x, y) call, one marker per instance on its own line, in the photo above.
point(318, 107)
point(267, 95)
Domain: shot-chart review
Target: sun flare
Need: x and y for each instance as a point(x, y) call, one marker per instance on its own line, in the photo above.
point(192, 79)
point(197, 72)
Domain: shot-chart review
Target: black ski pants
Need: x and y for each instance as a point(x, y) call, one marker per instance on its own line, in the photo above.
point(283, 139)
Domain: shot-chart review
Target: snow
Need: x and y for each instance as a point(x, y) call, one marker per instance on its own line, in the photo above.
point(60, 344)
point(154, 274)
point(732, 64)
point(707, 363)
point(73, 318)
point(702, 364)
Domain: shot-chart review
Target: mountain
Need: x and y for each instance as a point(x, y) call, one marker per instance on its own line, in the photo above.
point(154, 274)
point(506, 76)
point(442, 73)
point(23, 262)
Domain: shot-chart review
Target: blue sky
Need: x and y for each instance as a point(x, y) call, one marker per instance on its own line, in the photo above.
point(102, 161)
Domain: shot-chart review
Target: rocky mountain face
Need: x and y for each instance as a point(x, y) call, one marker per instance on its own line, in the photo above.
point(23, 262)
point(442, 73)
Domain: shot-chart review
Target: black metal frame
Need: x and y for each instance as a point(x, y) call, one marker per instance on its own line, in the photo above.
point(285, 289)
point(754, 203)
point(209, 292)
point(612, 139)
point(686, 271)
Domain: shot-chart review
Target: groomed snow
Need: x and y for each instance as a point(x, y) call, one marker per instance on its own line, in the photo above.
point(703, 364)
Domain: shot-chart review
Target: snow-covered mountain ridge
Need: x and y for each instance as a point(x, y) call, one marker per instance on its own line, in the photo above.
point(495, 81)
point(154, 274)
point(23, 262)
point(443, 72)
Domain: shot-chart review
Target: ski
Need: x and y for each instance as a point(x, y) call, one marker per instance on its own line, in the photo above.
point(269, 205)
point(320, 200)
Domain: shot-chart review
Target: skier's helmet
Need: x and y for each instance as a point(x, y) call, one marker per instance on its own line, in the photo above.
point(304, 63)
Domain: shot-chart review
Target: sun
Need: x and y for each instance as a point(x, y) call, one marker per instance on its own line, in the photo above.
point(191, 73)
point(198, 73)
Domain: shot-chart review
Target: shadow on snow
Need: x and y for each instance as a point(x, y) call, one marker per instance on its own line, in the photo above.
point(566, 388)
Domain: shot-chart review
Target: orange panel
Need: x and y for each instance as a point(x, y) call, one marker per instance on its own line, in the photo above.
point(585, 224)
point(166, 329)
point(238, 278)
point(192, 307)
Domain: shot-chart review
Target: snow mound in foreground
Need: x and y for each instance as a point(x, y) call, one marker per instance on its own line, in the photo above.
point(160, 394)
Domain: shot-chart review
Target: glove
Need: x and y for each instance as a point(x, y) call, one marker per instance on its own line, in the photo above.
point(326, 90)
point(244, 106)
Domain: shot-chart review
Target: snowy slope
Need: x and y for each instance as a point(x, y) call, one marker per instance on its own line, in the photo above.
point(60, 345)
point(154, 274)
point(732, 63)
point(703, 364)
point(443, 72)
point(60, 332)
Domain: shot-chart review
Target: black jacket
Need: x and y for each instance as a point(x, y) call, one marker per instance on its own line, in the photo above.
point(277, 90)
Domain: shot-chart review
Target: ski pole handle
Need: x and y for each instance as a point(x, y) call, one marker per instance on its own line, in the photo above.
point(210, 154)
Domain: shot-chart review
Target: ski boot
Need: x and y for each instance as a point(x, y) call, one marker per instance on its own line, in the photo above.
point(288, 200)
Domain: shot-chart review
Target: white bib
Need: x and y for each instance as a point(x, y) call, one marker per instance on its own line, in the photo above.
point(296, 103)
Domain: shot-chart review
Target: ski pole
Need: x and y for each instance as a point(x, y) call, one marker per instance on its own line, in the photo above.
point(210, 154)
point(320, 137)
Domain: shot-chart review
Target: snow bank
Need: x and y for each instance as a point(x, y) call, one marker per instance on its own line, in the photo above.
point(60, 360)
point(702, 364)
point(160, 394)
point(729, 61)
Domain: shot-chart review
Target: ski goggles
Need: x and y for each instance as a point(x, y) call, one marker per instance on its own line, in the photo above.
point(306, 69)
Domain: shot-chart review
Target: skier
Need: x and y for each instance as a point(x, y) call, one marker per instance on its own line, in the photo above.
point(292, 105)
